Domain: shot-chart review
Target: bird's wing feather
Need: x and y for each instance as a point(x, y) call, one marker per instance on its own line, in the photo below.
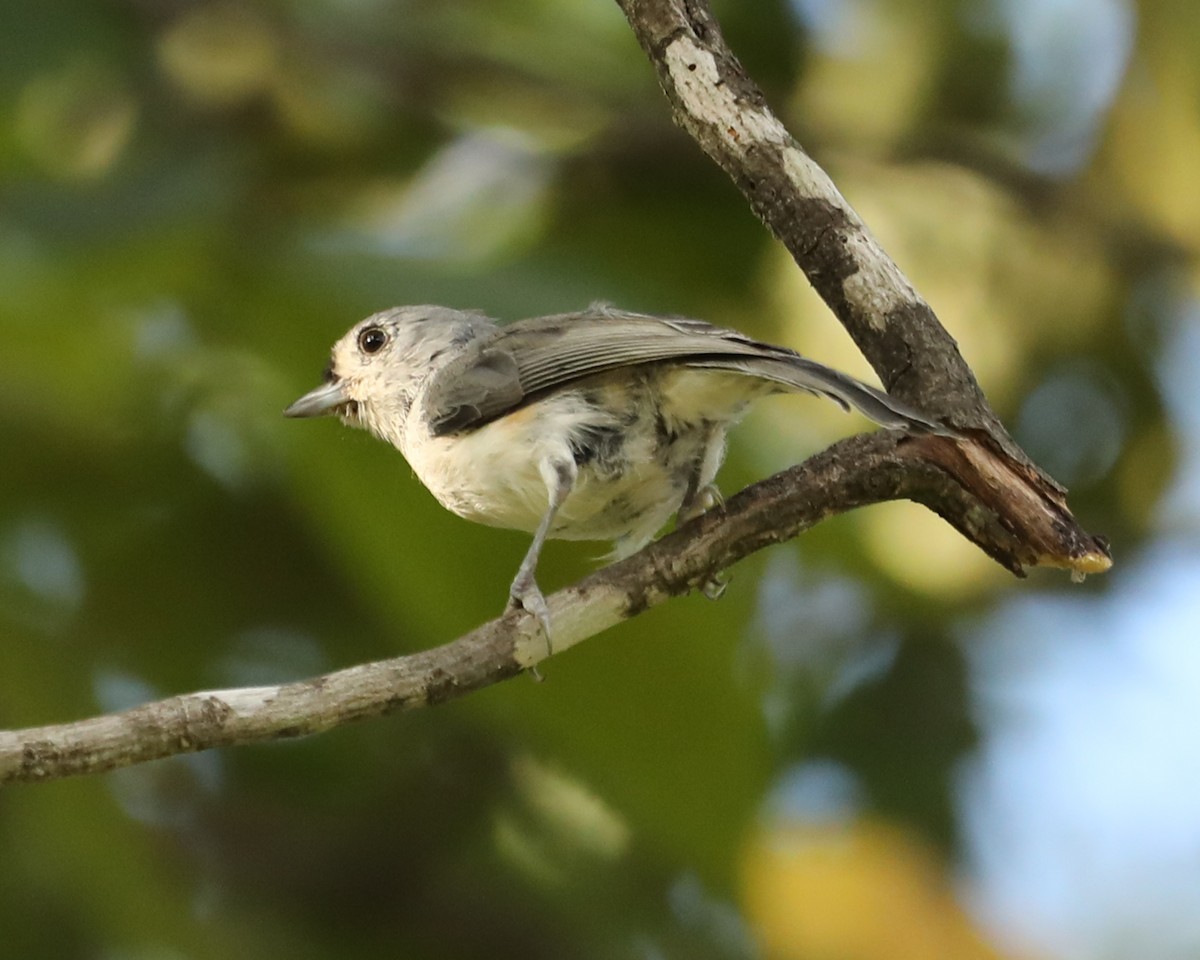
point(552, 351)
point(532, 357)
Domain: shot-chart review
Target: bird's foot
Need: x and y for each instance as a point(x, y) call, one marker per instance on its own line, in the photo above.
point(705, 499)
point(714, 586)
point(526, 594)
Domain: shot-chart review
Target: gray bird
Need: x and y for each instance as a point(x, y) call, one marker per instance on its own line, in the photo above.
point(598, 425)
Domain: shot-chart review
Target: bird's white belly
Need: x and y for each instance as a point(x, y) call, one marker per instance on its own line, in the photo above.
point(491, 475)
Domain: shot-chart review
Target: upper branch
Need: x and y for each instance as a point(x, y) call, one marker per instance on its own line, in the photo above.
point(726, 113)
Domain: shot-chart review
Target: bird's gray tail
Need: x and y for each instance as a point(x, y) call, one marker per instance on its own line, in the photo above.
point(799, 373)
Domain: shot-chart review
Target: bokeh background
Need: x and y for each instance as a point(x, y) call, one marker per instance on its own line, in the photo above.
point(876, 745)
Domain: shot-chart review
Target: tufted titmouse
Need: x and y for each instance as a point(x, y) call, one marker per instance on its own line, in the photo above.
point(596, 425)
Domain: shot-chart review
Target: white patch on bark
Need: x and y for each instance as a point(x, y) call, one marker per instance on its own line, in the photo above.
point(241, 700)
point(878, 286)
point(704, 96)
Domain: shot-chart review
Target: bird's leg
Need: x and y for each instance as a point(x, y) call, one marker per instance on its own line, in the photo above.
point(697, 500)
point(524, 592)
point(702, 495)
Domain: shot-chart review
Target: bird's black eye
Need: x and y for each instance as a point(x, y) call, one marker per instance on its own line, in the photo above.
point(372, 340)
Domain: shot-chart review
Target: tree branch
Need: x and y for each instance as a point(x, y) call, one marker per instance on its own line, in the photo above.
point(726, 113)
point(980, 482)
point(857, 471)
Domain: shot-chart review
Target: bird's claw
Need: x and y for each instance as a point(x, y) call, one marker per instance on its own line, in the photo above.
point(714, 586)
point(705, 499)
point(528, 596)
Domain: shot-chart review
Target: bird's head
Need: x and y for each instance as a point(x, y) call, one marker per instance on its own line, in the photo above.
point(376, 369)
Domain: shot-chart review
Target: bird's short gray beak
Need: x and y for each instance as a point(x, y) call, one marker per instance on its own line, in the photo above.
point(325, 399)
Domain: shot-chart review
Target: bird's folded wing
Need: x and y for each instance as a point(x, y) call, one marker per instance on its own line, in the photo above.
point(533, 357)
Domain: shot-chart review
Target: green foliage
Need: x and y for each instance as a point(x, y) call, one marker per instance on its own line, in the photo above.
point(198, 199)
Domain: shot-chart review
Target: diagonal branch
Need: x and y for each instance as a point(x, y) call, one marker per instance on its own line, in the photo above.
point(855, 472)
point(726, 113)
